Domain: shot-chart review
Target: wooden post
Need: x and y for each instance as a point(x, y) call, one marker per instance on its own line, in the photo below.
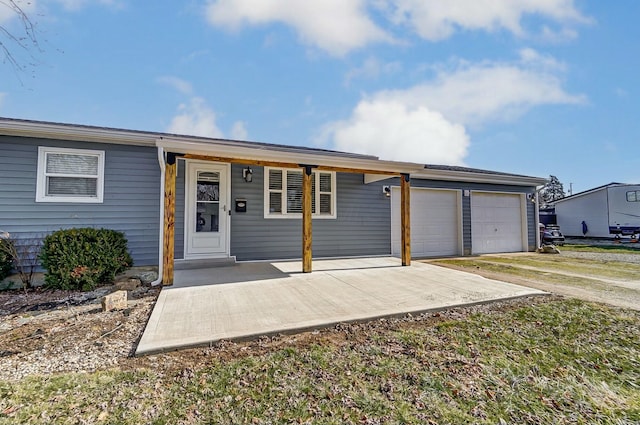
point(306, 219)
point(405, 218)
point(169, 218)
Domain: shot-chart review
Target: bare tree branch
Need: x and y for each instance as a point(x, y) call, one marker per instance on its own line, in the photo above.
point(24, 39)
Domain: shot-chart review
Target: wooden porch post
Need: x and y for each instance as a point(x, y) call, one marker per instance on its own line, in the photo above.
point(306, 219)
point(169, 218)
point(405, 218)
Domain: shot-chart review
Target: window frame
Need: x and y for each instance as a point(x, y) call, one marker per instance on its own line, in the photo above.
point(637, 195)
point(283, 191)
point(41, 182)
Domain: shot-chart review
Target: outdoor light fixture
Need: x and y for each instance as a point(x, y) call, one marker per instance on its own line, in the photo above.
point(247, 174)
point(386, 190)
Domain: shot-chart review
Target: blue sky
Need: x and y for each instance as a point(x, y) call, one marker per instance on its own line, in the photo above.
point(533, 87)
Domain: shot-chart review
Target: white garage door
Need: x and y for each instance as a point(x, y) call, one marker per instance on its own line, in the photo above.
point(435, 222)
point(496, 223)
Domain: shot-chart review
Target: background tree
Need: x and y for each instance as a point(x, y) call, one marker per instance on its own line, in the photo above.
point(552, 191)
point(18, 34)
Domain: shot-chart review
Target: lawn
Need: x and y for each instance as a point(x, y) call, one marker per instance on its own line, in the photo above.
point(542, 360)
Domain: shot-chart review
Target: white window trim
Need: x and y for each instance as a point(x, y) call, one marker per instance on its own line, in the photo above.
point(334, 196)
point(41, 186)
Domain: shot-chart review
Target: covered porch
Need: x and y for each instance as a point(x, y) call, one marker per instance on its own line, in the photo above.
point(251, 299)
point(307, 163)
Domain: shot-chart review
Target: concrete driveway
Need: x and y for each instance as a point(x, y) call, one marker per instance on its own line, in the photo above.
point(252, 299)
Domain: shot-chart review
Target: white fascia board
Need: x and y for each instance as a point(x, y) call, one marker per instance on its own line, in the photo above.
point(372, 178)
point(466, 176)
point(267, 153)
point(78, 133)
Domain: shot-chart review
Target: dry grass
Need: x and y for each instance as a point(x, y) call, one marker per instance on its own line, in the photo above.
point(539, 361)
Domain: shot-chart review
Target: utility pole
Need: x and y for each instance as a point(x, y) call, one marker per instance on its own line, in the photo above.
point(570, 189)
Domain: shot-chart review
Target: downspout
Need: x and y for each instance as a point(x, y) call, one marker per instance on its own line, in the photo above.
point(537, 216)
point(161, 162)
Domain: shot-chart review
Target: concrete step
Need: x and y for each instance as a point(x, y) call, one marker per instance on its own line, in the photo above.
point(204, 263)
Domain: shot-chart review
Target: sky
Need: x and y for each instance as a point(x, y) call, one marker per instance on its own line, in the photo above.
point(533, 87)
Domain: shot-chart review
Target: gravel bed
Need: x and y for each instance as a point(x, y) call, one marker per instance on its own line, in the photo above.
point(71, 338)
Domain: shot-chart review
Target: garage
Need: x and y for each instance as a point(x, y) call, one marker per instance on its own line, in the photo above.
point(497, 223)
point(435, 222)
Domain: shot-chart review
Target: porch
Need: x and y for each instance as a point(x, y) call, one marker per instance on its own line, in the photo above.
point(248, 300)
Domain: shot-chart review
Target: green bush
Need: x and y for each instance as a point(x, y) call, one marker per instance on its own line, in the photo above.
point(84, 258)
point(6, 259)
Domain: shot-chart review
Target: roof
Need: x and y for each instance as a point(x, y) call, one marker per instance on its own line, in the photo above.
point(14, 126)
point(243, 150)
point(459, 173)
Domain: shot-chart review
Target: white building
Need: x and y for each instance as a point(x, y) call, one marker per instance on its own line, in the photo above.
point(605, 211)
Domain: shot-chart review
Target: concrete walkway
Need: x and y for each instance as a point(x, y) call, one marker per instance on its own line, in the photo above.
point(253, 299)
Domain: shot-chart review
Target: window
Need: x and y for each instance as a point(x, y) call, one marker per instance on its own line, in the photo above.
point(283, 193)
point(70, 175)
point(633, 196)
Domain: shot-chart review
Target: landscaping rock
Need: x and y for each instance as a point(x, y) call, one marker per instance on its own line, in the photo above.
point(115, 301)
point(127, 284)
point(147, 277)
point(548, 249)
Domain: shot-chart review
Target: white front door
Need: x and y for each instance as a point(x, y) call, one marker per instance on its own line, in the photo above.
point(206, 210)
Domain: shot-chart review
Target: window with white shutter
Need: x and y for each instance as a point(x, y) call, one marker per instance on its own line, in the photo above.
point(70, 175)
point(283, 193)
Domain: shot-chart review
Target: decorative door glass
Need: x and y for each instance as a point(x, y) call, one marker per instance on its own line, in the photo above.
point(208, 202)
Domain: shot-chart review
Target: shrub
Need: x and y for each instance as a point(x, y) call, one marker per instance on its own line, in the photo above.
point(6, 259)
point(83, 258)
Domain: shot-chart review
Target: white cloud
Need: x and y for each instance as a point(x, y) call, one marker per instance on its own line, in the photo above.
point(239, 131)
point(340, 26)
point(437, 20)
point(394, 131)
point(9, 12)
point(562, 35)
point(476, 93)
point(177, 84)
point(195, 118)
point(372, 68)
point(336, 26)
point(426, 123)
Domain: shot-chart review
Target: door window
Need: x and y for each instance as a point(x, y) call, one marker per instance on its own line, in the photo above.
point(208, 201)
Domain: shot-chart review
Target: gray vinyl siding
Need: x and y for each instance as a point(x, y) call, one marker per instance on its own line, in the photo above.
point(362, 226)
point(131, 195)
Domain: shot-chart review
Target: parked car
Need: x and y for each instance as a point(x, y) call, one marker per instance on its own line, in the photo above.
point(551, 234)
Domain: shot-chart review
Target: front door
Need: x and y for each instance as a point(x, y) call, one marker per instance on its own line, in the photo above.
point(206, 210)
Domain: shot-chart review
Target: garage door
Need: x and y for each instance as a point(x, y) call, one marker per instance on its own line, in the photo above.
point(496, 223)
point(435, 222)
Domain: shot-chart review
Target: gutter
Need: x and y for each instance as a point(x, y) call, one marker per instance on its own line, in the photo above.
point(537, 216)
point(161, 162)
point(469, 176)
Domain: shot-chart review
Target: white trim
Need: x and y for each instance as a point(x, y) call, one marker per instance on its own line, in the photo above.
point(161, 163)
point(279, 154)
point(470, 176)
point(41, 181)
point(298, 216)
point(372, 178)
